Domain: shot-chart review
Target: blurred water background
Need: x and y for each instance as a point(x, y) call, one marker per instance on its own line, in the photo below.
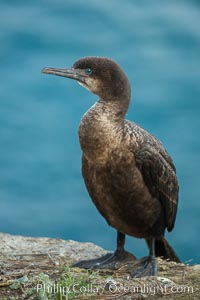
point(157, 43)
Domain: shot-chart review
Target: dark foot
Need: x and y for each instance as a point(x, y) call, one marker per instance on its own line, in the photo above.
point(109, 261)
point(146, 266)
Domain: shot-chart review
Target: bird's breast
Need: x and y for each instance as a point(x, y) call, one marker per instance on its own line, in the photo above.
point(98, 136)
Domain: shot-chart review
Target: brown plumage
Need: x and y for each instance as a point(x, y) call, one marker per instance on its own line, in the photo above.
point(129, 175)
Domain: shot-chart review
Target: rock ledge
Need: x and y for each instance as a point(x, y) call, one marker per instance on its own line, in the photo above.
point(38, 268)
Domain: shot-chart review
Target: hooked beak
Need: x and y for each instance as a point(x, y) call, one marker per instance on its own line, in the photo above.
point(75, 74)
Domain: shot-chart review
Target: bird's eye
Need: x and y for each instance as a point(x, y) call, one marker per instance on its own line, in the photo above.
point(88, 71)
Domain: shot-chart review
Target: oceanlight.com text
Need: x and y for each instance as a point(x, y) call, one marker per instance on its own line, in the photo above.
point(114, 288)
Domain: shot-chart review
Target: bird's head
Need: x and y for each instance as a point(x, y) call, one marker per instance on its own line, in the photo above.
point(99, 75)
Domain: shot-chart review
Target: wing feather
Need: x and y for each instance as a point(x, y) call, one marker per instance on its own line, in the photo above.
point(160, 177)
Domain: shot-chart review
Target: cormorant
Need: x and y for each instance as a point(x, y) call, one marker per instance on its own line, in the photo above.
point(128, 173)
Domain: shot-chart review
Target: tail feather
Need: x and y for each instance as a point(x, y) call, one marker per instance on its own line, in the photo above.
point(164, 250)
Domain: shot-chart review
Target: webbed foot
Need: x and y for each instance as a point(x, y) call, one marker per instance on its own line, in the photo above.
point(146, 266)
point(109, 261)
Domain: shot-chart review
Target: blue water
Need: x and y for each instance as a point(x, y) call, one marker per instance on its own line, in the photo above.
point(158, 45)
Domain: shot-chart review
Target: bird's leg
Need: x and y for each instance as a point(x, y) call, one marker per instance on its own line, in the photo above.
point(110, 260)
point(146, 266)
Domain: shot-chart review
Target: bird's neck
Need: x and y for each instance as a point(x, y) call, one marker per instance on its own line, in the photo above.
point(115, 109)
point(101, 129)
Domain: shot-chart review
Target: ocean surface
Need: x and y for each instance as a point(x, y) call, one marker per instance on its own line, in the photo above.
point(157, 43)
